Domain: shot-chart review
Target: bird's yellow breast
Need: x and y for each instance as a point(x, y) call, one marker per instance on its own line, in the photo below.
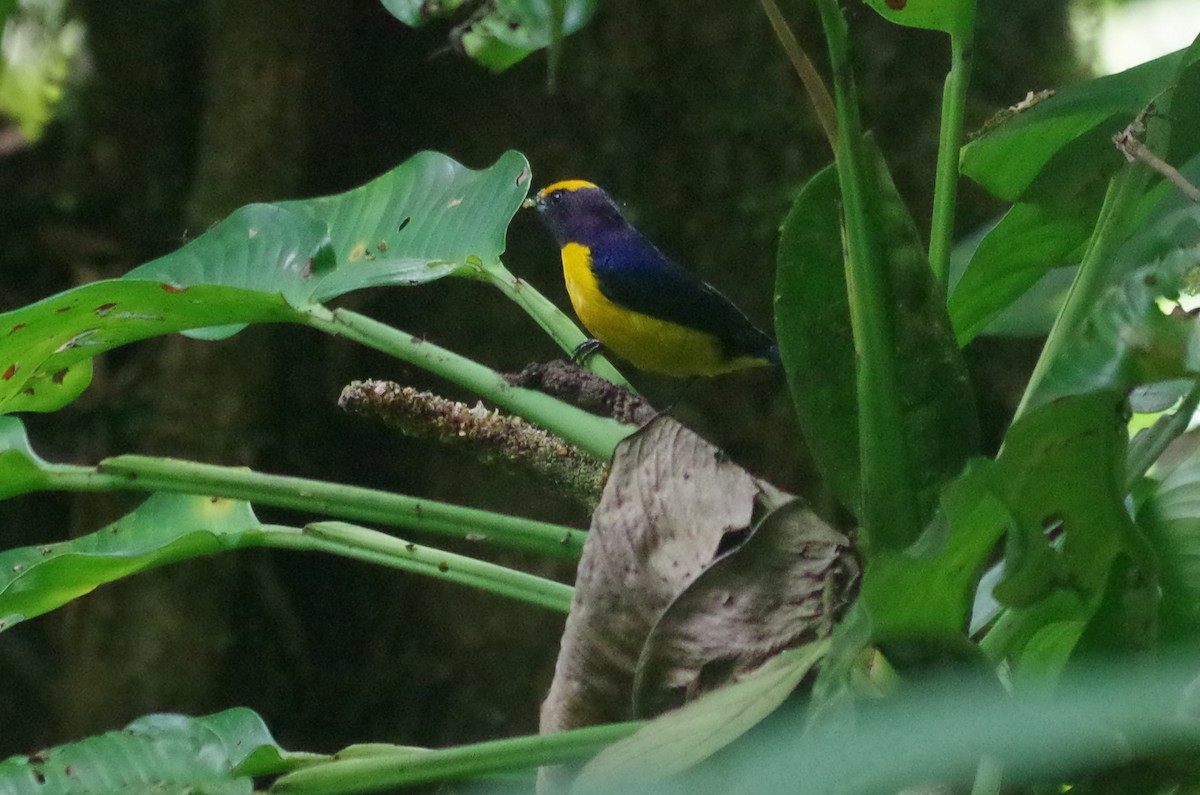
point(648, 343)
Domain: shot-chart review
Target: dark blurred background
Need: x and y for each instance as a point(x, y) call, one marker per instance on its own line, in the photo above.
point(687, 112)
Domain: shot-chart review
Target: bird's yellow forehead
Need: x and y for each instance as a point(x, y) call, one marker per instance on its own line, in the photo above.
point(566, 185)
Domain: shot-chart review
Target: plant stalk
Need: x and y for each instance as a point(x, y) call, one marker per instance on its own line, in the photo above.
point(145, 473)
point(596, 436)
point(371, 546)
point(375, 773)
point(945, 191)
point(890, 515)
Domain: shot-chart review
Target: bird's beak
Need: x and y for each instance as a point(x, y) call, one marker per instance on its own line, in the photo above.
point(529, 203)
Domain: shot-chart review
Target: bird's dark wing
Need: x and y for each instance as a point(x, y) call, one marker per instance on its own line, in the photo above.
point(633, 273)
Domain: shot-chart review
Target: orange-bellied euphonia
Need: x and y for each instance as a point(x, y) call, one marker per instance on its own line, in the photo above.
point(638, 303)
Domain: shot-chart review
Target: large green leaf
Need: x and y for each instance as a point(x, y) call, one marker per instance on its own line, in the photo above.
point(821, 356)
point(926, 592)
point(1048, 228)
point(164, 529)
point(1008, 158)
point(1059, 202)
point(1128, 340)
point(427, 218)
point(424, 219)
point(45, 347)
point(812, 324)
point(216, 754)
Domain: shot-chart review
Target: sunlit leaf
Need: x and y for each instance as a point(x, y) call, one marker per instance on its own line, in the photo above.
point(1171, 517)
point(424, 219)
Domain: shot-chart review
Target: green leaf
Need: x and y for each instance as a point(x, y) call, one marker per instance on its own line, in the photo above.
point(928, 590)
point(425, 219)
point(1127, 340)
point(21, 469)
point(1008, 158)
point(1047, 229)
point(214, 754)
point(1171, 519)
point(686, 736)
point(43, 345)
point(1052, 222)
point(1062, 469)
point(813, 322)
point(949, 16)
point(164, 529)
point(500, 33)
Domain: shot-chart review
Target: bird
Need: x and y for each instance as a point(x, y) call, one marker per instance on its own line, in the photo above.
point(638, 303)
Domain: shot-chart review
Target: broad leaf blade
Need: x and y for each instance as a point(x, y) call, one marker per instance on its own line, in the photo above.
point(427, 218)
point(158, 753)
point(821, 356)
point(164, 529)
point(816, 342)
point(43, 345)
point(1006, 159)
point(424, 219)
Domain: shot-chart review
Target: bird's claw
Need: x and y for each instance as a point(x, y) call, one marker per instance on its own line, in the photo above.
point(585, 351)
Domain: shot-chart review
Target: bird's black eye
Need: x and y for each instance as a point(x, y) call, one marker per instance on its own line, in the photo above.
point(556, 197)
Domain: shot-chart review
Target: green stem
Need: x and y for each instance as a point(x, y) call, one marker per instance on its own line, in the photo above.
point(596, 436)
point(945, 191)
point(552, 320)
point(406, 768)
point(890, 516)
point(1093, 277)
point(145, 473)
point(359, 543)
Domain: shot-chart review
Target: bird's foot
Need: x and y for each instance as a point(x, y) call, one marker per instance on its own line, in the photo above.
point(586, 350)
